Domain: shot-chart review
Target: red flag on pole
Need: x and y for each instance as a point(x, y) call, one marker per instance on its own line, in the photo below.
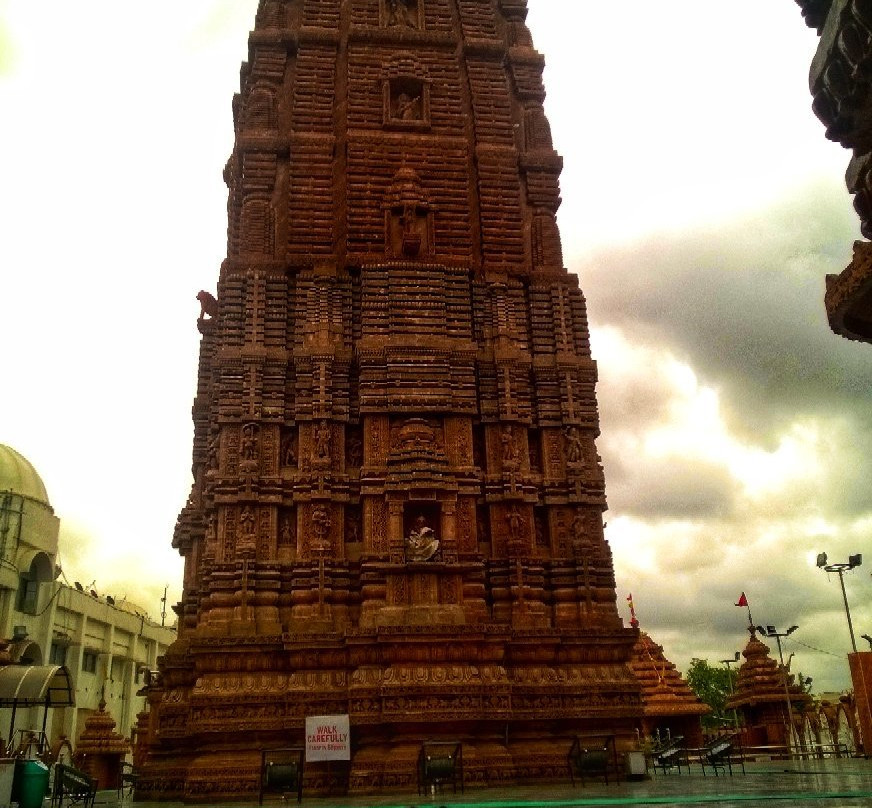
point(743, 601)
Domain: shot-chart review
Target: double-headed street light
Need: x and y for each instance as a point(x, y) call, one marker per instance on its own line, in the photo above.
point(729, 662)
point(770, 631)
point(852, 562)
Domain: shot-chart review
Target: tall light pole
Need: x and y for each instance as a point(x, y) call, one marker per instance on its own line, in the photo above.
point(729, 662)
point(771, 631)
point(852, 562)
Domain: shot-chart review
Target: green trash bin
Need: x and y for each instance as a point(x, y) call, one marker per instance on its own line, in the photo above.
point(30, 784)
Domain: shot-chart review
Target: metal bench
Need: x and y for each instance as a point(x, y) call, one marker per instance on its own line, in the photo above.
point(74, 785)
point(669, 755)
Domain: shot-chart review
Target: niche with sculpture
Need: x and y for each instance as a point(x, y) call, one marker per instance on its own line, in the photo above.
point(408, 217)
point(402, 14)
point(421, 532)
point(406, 103)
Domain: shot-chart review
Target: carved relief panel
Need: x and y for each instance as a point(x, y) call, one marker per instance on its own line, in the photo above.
point(287, 539)
point(375, 515)
point(319, 527)
point(408, 217)
point(289, 448)
point(376, 441)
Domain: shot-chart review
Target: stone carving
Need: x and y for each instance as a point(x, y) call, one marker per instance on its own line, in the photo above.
point(288, 531)
point(354, 449)
point(249, 448)
point(213, 451)
point(246, 520)
point(421, 543)
point(289, 450)
point(208, 304)
point(321, 439)
point(516, 524)
point(574, 445)
point(415, 435)
point(321, 524)
point(403, 13)
point(509, 447)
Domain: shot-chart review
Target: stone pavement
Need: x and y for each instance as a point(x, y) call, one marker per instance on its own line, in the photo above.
point(827, 783)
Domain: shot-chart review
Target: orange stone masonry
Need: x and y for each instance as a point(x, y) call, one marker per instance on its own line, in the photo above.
point(397, 506)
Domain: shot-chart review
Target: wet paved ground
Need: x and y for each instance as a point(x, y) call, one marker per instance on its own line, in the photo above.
point(829, 784)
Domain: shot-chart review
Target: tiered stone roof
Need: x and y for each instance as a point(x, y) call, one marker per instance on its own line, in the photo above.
point(761, 679)
point(664, 691)
point(99, 736)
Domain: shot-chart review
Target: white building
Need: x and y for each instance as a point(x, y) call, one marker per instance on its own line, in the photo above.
point(106, 646)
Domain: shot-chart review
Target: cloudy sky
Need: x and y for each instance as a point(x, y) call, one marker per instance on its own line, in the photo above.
point(702, 209)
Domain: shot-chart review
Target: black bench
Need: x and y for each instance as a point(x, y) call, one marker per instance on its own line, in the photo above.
point(592, 757)
point(440, 762)
point(718, 754)
point(669, 755)
point(281, 772)
point(72, 784)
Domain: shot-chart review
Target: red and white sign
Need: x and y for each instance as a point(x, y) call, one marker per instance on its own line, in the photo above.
point(328, 737)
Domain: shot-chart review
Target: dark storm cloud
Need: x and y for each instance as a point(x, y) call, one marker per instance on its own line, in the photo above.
point(743, 304)
point(680, 488)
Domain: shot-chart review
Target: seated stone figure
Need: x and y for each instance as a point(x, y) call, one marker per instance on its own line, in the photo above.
point(421, 543)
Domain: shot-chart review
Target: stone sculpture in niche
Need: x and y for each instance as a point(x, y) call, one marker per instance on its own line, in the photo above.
point(249, 448)
point(287, 530)
point(510, 449)
point(321, 523)
point(421, 543)
point(409, 216)
point(246, 520)
point(321, 437)
point(515, 523)
point(403, 13)
point(289, 451)
point(574, 445)
point(407, 102)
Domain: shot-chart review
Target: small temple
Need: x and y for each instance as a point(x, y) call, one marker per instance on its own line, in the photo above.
point(766, 696)
point(670, 707)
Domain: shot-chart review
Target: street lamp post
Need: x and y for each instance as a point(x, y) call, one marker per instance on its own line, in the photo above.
point(852, 562)
point(771, 631)
point(729, 662)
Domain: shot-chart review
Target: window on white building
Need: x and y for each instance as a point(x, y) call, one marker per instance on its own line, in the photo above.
point(89, 661)
point(57, 654)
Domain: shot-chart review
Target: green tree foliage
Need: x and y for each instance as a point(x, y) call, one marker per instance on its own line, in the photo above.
point(712, 685)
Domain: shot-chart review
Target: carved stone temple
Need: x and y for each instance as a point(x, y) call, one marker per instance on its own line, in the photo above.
point(397, 507)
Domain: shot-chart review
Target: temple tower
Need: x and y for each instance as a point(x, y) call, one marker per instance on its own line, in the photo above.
point(397, 507)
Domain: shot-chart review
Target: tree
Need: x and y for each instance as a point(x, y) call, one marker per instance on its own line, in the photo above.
point(712, 686)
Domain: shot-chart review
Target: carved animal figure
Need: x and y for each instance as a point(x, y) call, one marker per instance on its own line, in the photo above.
point(208, 304)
